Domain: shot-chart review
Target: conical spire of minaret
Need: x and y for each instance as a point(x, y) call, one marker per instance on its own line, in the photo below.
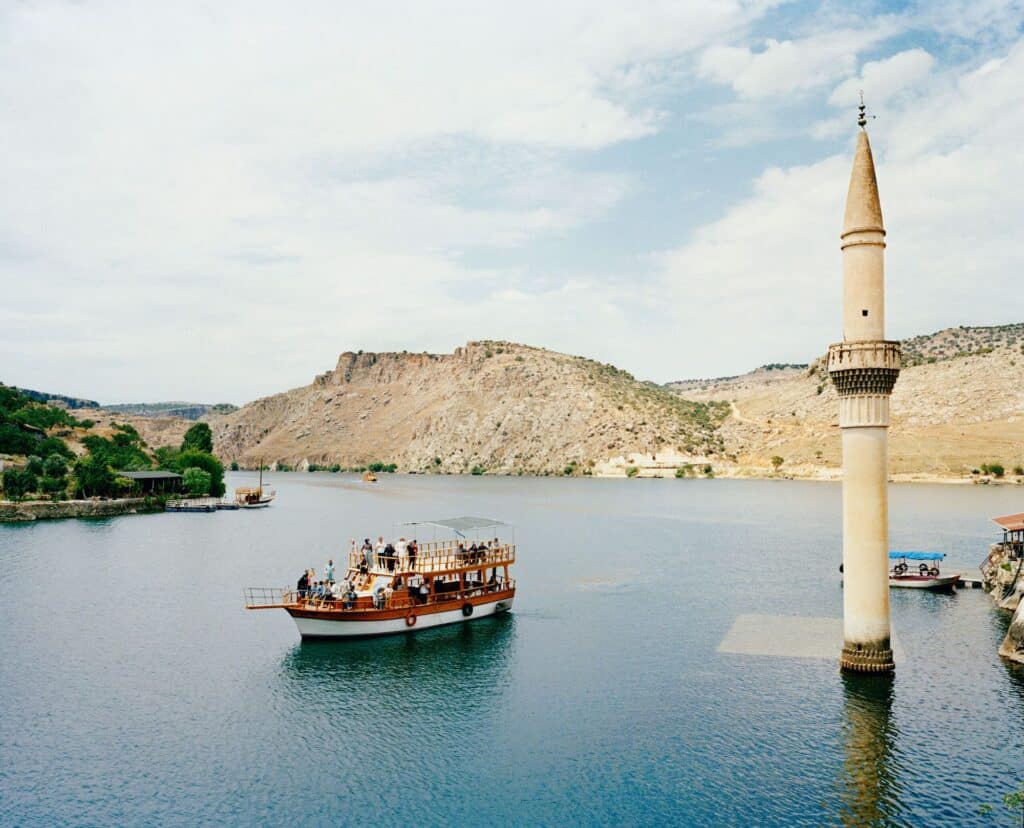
point(863, 208)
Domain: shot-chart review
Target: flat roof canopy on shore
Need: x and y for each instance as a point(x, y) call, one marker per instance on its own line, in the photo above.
point(149, 475)
point(1011, 523)
point(459, 525)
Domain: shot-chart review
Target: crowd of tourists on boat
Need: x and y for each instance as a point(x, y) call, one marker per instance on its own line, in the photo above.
point(401, 557)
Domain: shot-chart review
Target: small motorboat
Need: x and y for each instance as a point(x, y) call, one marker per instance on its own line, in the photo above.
point(920, 570)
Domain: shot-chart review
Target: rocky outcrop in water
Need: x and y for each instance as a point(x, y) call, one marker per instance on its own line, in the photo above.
point(1013, 644)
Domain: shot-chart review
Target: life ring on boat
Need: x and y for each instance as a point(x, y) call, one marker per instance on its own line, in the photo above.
point(923, 569)
point(934, 571)
point(410, 620)
point(467, 609)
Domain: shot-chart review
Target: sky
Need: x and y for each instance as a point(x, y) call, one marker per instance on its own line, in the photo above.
point(211, 201)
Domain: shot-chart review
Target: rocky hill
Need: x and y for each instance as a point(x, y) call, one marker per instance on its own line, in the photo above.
point(958, 404)
point(494, 406)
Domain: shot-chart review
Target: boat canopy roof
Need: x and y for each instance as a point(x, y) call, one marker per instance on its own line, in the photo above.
point(459, 525)
point(917, 556)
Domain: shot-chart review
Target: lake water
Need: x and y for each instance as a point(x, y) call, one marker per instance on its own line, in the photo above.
point(135, 689)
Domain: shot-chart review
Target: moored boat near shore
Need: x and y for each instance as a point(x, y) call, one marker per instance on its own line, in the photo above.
point(411, 587)
point(920, 570)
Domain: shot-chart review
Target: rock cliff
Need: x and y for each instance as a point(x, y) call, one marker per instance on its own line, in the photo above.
point(494, 406)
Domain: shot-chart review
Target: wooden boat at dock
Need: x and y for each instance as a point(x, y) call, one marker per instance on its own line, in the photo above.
point(255, 497)
point(446, 582)
point(920, 570)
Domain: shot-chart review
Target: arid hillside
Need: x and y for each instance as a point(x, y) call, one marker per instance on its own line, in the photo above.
point(958, 404)
point(492, 406)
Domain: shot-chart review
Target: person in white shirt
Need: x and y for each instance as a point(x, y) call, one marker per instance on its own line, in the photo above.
point(402, 548)
point(378, 550)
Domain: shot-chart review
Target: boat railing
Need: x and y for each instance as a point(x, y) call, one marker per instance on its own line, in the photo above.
point(292, 598)
point(436, 558)
point(268, 597)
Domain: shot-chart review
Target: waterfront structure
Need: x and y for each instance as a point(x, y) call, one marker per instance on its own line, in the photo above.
point(863, 368)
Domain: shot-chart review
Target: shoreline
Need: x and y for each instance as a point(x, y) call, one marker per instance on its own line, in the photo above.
point(30, 511)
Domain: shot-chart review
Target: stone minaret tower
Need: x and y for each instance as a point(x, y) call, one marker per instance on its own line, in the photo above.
point(864, 367)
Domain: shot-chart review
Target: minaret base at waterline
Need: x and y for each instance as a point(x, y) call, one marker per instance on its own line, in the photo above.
point(864, 368)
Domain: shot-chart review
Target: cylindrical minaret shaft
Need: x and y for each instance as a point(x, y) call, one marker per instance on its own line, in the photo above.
point(864, 367)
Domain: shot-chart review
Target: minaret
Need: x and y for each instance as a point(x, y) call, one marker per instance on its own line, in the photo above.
point(864, 367)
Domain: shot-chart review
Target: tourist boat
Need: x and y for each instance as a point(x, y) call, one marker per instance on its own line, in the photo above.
point(256, 497)
point(460, 585)
point(920, 570)
point(369, 477)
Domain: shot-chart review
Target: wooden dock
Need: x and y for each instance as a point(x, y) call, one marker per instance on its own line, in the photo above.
point(969, 582)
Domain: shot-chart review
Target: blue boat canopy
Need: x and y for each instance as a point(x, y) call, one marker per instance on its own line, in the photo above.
point(917, 556)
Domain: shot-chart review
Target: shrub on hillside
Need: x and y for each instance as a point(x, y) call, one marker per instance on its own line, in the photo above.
point(56, 465)
point(198, 437)
point(632, 471)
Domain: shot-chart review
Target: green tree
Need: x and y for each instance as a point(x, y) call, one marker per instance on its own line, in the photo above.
point(54, 486)
point(196, 481)
point(14, 440)
point(777, 462)
point(207, 462)
point(477, 470)
point(56, 465)
point(632, 471)
point(122, 451)
point(996, 469)
point(93, 476)
point(18, 483)
point(34, 465)
point(54, 445)
point(199, 437)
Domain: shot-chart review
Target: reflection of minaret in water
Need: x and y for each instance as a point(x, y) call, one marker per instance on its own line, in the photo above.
point(864, 367)
point(868, 793)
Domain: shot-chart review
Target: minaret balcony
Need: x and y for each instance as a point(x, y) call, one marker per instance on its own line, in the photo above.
point(864, 367)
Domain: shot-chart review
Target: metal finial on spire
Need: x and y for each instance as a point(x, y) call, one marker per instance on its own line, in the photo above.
point(862, 119)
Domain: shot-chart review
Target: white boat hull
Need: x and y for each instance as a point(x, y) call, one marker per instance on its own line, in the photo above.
point(924, 581)
point(331, 628)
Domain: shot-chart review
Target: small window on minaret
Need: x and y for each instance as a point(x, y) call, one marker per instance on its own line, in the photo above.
point(864, 312)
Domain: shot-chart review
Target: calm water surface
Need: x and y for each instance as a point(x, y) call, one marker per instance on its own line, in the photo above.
point(135, 690)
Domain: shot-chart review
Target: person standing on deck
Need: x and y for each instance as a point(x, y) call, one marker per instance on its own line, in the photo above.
point(402, 549)
point(329, 571)
point(379, 549)
point(367, 551)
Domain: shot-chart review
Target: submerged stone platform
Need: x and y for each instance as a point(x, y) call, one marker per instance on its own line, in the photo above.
point(787, 636)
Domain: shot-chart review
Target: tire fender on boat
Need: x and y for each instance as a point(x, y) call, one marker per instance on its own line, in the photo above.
point(410, 620)
point(467, 609)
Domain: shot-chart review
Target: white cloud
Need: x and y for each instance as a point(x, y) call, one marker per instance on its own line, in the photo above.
point(788, 66)
point(885, 78)
point(274, 184)
point(951, 176)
